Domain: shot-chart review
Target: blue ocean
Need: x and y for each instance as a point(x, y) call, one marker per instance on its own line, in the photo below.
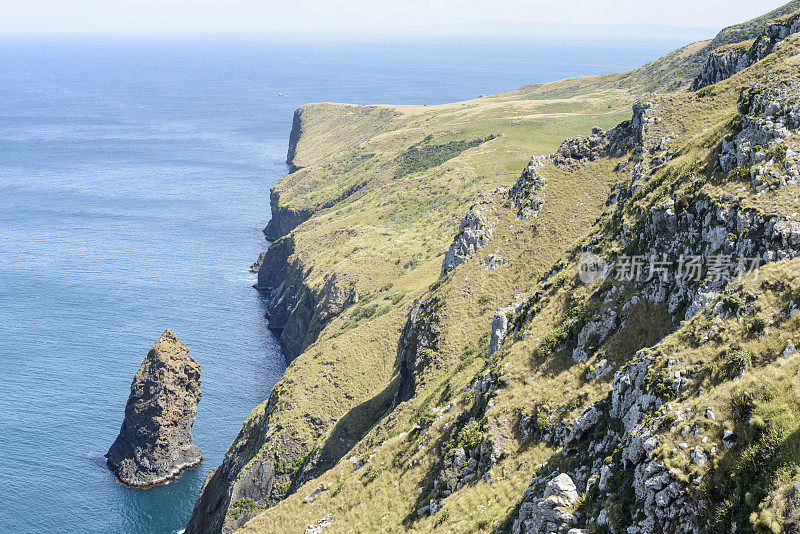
point(134, 184)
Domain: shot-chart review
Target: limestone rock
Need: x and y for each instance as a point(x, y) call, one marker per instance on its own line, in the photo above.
point(474, 231)
point(550, 514)
point(724, 64)
point(768, 114)
point(500, 325)
point(319, 526)
point(527, 193)
point(155, 441)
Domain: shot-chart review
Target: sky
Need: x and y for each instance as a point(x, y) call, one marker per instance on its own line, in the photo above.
point(356, 16)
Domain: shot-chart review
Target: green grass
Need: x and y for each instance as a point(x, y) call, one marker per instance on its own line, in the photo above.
point(244, 506)
point(425, 155)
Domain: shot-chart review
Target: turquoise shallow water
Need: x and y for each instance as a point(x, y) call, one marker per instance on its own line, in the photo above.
point(134, 180)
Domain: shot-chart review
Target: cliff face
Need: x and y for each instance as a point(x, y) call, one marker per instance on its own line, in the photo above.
point(425, 380)
point(654, 396)
point(236, 490)
point(284, 219)
point(723, 64)
point(155, 441)
point(298, 311)
point(294, 138)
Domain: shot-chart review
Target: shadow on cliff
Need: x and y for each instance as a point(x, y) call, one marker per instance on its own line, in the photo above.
point(746, 473)
point(352, 428)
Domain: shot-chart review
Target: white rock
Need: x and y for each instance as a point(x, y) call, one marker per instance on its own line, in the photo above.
point(699, 456)
point(605, 477)
point(728, 439)
point(563, 487)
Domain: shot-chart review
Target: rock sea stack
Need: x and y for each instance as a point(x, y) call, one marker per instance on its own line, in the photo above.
point(155, 441)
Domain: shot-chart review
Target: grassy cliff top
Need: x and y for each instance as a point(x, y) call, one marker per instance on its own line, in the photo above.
point(752, 28)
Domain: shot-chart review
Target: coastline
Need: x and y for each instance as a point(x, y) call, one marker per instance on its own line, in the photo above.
point(175, 473)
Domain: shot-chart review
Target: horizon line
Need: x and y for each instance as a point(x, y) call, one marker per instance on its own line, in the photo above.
point(490, 29)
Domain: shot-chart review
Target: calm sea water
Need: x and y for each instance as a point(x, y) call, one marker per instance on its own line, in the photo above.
point(134, 180)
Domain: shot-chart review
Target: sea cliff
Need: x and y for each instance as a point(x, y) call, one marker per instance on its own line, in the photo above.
point(452, 368)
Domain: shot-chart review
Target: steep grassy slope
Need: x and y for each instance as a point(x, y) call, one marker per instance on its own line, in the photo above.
point(391, 393)
point(529, 392)
point(372, 253)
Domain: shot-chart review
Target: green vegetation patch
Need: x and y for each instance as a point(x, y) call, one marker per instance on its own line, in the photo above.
point(243, 506)
point(425, 155)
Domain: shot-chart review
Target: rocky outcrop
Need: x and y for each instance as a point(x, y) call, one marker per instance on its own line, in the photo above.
point(527, 193)
point(577, 151)
point(460, 468)
point(667, 504)
point(769, 115)
point(155, 441)
point(594, 333)
point(719, 232)
point(721, 66)
point(724, 63)
point(552, 513)
point(582, 149)
point(499, 329)
point(477, 226)
point(474, 231)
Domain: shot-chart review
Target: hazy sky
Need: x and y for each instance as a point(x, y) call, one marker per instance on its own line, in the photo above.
point(125, 16)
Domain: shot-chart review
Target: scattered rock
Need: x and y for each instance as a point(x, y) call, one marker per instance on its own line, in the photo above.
point(699, 456)
point(319, 526)
point(728, 439)
point(494, 261)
